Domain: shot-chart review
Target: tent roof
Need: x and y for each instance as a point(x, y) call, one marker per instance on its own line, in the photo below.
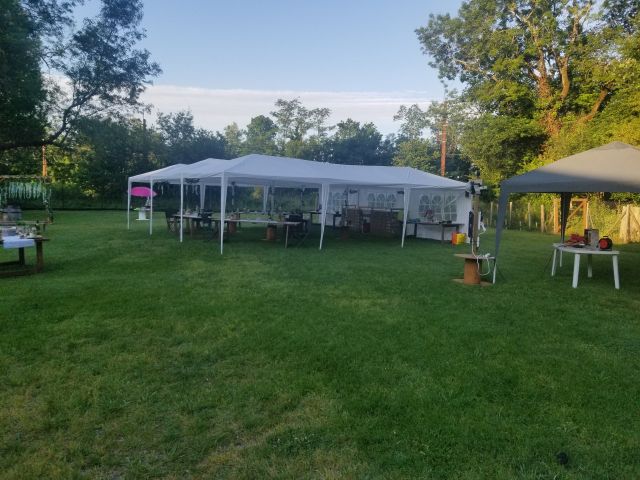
point(614, 167)
point(257, 169)
point(161, 174)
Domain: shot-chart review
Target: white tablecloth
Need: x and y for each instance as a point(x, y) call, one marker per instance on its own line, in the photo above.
point(17, 242)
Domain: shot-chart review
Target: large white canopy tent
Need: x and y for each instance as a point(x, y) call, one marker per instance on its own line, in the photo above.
point(269, 171)
point(614, 167)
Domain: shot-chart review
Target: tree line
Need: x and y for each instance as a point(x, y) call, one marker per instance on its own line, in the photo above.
point(539, 80)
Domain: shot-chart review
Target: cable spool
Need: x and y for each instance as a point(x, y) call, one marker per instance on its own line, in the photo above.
point(605, 243)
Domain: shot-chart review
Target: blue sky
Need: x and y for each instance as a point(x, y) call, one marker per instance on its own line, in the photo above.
point(230, 60)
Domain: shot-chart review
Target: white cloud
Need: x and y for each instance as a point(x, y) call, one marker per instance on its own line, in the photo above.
point(213, 109)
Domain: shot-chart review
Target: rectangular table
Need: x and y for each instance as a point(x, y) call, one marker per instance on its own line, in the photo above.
point(442, 226)
point(38, 241)
point(589, 252)
point(266, 222)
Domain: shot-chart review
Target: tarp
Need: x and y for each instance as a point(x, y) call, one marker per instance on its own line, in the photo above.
point(614, 167)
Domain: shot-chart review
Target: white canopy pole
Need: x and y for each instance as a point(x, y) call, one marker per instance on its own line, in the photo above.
point(181, 203)
point(151, 207)
point(324, 199)
point(265, 198)
point(129, 204)
point(223, 205)
point(407, 195)
point(203, 191)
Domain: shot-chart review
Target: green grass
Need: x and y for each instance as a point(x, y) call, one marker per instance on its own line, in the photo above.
point(138, 357)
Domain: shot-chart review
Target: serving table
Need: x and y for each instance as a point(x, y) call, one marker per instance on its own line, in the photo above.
point(578, 251)
point(442, 225)
point(20, 244)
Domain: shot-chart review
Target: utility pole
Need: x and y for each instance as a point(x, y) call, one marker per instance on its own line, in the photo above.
point(44, 161)
point(443, 148)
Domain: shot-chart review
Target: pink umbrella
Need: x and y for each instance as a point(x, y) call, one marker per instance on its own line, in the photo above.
point(142, 192)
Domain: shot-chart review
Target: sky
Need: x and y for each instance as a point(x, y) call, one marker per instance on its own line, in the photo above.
point(228, 61)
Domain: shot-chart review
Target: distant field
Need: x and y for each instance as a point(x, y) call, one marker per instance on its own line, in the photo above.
point(138, 357)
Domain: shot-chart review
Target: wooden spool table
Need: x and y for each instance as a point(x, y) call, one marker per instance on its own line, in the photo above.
point(472, 266)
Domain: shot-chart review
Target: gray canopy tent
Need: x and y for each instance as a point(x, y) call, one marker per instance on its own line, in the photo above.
point(614, 167)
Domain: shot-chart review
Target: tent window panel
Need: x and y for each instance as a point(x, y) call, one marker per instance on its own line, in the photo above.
point(450, 211)
point(436, 206)
point(380, 201)
point(337, 201)
point(426, 212)
point(371, 200)
point(391, 201)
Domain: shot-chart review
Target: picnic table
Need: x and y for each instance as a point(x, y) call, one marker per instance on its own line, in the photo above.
point(20, 244)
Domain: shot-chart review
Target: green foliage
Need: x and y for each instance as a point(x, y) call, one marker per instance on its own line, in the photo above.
point(356, 144)
point(537, 74)
point(500, 145)
point(186, 143)
point(99, 60)
point(418, 153)
point(260, 136)
point(22, 94)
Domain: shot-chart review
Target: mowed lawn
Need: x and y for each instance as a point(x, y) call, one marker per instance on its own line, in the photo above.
point(138, 357)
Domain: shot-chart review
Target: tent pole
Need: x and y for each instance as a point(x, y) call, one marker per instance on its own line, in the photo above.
point(151, 207)
point(502, 211)
point(324, 194)
point(265, 198)
point(181, 204)
point(223, 202)
point(203, 192)
point(407, 196)
point(129, 204)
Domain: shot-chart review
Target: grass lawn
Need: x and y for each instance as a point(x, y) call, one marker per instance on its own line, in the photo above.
point(138, 357)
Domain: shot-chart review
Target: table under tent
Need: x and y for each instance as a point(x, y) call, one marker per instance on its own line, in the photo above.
point(419, 195)
point(614, 167)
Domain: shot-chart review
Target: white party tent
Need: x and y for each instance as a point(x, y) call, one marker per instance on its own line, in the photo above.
point(270, 171)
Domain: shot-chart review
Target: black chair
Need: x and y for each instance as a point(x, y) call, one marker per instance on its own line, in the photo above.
point(173, 224)
point(300, 231)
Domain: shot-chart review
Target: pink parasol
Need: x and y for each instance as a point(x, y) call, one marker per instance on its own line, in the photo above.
point(142, 192)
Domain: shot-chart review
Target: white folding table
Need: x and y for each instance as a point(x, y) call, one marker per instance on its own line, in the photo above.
point(589, 252)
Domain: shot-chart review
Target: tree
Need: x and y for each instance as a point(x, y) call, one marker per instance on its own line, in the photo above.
point(185, 143)
point(261, 136)
point(548, 59)
point(414, 121)
point(418, 153)
point(553, 63)
point(356, 144)
point(233, 138)
point(100, 67)
point(22, 94)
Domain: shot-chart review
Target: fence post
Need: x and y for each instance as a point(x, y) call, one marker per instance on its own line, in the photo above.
point(491, 214)
point(510, 212)
point(542, 217)
point(556, 225)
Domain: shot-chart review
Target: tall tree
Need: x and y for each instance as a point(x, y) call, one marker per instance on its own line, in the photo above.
point(357, 144)
point(22, 94)
point(554, 63)
point(261, 136)
point(98, 65)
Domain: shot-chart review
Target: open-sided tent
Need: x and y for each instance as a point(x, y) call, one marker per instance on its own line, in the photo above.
point(614, 167)
point(271, 171)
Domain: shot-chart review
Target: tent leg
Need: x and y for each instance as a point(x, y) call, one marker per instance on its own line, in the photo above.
point(223, 205)
point(324, 197)
point(407, 196)
point(128, 204)
point(151, 208)
point(265, 198)
point(181, 205)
